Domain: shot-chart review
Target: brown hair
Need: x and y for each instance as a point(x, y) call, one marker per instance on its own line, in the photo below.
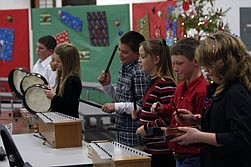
point(132, 39)
point(156, 47)
point(228, 57)
point(69, 56)
point(48, 41)
point(185, 47)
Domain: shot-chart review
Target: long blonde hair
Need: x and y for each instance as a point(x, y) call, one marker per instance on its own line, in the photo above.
point(69, 56)
point(228, 57)
point(157, 47)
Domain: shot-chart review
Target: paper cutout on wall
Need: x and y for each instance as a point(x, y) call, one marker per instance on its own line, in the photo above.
point(157, 31)
point(9, 19)
point(98, 28)
point(171, 27)
point(120, 32)
point(45, 19)
point(143, 26)
point(6, 43)
point(84, 55)
point(62, 37)
point(71, 21)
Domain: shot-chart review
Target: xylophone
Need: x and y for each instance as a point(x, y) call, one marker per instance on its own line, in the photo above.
point(114, 154)
point(60, 130)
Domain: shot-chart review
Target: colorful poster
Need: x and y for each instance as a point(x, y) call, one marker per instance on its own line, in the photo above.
point(143, 26)
point(62, 37)
point(6, 43)
point(98, 28)
point(71, 21)
point(45, 19)
point(156, 12)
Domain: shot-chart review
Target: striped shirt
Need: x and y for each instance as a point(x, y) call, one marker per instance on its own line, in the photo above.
point(162, 90)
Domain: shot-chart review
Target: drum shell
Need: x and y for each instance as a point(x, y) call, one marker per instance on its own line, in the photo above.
point(35, 99)
point(31, 79)
point(14, 79)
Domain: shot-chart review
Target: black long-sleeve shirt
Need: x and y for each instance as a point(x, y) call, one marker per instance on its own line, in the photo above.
point(229, 116)
point(69, 102)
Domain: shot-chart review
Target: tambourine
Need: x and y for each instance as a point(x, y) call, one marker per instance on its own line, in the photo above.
point(14, 79)
point(35, 99)
point(31, 79)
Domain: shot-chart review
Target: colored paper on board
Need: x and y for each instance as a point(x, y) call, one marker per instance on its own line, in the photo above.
point(84, 55)
point(45, 19)
point(98, 28)
point(71, 21)
point(143, 26)
point(6, 43)
point(62, 37)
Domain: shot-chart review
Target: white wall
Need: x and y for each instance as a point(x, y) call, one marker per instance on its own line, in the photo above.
point(233, 15)
point(14, 4)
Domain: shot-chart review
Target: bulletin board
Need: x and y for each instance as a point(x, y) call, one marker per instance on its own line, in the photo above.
point(150, 19)
point(94, 30)
point(14, 41)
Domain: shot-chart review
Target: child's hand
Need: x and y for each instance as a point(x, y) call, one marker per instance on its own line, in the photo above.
point(156, 108)
point(134, 114)
point(141, 131)
point(104, 78)
point(49, 93)
point(108, 107)
point(186, 116)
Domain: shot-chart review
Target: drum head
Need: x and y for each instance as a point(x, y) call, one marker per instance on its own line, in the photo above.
point(14, 79)
point(35, 99)
point(32, 79)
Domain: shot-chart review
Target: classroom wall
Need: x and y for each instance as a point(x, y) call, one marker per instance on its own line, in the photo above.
point(232, 16)
point(95, 24)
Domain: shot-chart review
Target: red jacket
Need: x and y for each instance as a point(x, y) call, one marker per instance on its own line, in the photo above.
point(189, 96)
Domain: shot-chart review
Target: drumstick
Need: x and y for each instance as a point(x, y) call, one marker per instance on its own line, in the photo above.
point(120, 129)
point(133, 95)
point(177, 111)
point(91, 103)
point(111, 58)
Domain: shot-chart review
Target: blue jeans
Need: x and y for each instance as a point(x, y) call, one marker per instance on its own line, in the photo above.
point(193, 161)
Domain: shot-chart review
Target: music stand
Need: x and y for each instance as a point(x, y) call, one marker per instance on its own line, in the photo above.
point(14, 157)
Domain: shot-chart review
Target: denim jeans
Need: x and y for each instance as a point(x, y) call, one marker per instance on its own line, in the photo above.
point(193, 161)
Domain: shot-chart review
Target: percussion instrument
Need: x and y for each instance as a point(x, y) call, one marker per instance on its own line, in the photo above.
point(31, 79)
point(114, 154)
point(35, 99)
point(14, 79)
point(90, 103)
point(60, 130)
point(111, 58)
